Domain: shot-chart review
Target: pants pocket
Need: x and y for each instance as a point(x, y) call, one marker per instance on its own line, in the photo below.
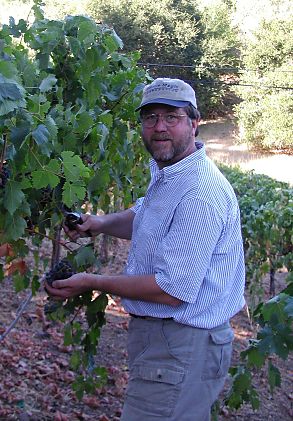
point(154, 389)
point(218, 355)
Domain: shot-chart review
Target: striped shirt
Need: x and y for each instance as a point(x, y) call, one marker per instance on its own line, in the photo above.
point(187, 232)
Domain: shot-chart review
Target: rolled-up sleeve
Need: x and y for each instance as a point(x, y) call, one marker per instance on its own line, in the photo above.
point(136, 207)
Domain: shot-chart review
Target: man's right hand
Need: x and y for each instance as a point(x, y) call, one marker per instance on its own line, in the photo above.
point(91, 226)
point(115, 224)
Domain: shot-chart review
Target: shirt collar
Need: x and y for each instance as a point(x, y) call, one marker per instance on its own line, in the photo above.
point(185, 163)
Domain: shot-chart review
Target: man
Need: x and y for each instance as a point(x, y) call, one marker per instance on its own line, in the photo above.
point(184, 278)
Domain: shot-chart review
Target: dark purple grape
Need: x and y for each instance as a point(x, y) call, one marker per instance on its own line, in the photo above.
point(61, 270)
point(51, 306)
point(4, 175)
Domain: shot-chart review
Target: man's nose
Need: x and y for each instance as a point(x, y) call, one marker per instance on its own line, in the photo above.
point(160, 124)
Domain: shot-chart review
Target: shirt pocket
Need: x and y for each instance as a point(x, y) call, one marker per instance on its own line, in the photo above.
point(154, 389)
point(218, 356)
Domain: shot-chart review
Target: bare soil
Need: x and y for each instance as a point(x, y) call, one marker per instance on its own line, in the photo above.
point(221, 138)
point(36, 378)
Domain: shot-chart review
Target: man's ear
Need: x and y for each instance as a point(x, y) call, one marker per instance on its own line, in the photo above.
point(195, 127)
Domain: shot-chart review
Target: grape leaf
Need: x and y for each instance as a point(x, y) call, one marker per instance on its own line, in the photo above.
point(43, 178)
point(274, 376)
point(85, 256)
point(9, 91)
point(48, 83)
point(13, 196)
point(41, 135)
point(72, 193)
point(73, 166)
point(47, 176)
point(14, 227)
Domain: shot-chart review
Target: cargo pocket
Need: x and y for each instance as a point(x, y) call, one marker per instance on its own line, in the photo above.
point(218, 355)
point(154, 389)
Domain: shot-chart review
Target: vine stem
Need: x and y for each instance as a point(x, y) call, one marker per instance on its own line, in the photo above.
point(19, 312)
point(64, 244)
point(2, 155)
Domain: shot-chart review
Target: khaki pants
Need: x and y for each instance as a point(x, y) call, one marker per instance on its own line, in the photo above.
point(176, 371)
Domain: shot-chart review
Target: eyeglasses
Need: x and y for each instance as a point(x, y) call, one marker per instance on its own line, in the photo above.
point(171, 120)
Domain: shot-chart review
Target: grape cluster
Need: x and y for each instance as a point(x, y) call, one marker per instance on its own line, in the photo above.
point(61, 270)
point(51, 306)
point(4, 175)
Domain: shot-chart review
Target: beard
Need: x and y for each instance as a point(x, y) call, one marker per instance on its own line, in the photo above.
point(168, 149)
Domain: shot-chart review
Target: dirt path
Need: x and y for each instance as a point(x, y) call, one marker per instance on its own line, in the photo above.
point(36, 379)
point(220, 138)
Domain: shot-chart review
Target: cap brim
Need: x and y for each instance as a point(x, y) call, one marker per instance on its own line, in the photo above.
point(165, 101)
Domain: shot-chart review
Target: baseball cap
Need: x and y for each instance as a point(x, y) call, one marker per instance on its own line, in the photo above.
point(168, 91)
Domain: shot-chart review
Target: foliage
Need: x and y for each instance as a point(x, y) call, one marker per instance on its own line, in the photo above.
point(266, 209)
point(265, 112)
point(274, 337)
point(67, 101)
point(203, 37)
point(220, 45)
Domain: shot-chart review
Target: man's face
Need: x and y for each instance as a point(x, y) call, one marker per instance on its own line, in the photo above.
point(168, 144)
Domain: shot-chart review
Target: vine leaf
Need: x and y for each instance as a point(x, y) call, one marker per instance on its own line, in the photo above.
point(73, 166)
point(18, 265)
point(41, 135)
point(6, 250)
point(13, 196)
point(274, 376)
point(85, 256)
point(72, 193)
point(14, 227)
point(11, 95)
point(47, 176)
point(48, 83)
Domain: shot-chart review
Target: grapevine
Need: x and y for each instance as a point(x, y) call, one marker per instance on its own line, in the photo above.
point(68, 94)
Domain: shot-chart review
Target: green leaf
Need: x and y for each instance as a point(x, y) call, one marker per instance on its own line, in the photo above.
point(14, 227)
point(41, 135)
point(43, 178)
point(35, 285)
point(255, 358)
point(48, 83)
point(85, 256)
point(20, 282)
point(7, 106)
point(98, 304)
point(100, 179)
point(9, 91)
point(274, 376)
point(13, 196)
point(84, 122)
point(68, 335)
point(87, 30)
point(47, 176)
point(25, 184)
point(72, 193)
point(73, 166)
point(8, 69)
point(288, 309)
point(75, 360)
point(11, 95)
point(112, 42)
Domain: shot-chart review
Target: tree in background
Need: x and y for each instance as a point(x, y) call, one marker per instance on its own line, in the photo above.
point(180, 33)
point(265, 114)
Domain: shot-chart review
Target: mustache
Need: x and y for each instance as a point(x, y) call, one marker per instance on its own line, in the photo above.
point(163, 136)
